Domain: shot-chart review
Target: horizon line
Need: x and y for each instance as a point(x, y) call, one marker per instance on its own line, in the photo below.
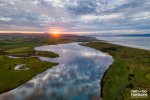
point(25, 32)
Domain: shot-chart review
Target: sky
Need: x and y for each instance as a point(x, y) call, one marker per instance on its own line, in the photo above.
point(76, 16)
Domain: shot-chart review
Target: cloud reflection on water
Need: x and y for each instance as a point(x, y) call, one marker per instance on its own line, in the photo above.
point(77, 77)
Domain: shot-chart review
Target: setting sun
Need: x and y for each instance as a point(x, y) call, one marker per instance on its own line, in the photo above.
point(55, 32)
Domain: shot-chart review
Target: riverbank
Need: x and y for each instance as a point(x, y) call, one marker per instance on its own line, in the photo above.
point(13, 54)
point(130, 71)
point(11, 78)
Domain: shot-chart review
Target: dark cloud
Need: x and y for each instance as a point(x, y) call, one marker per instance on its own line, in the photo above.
point(83, 7)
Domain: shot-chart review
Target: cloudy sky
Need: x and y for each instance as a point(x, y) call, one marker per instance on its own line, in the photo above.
point(76, 16)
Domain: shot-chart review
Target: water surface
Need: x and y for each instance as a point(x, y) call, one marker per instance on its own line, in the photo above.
point(77, 77)
point(136, 41)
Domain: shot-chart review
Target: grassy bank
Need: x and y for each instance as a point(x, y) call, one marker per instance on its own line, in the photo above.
point(11, 78)
point(130, 70)
point(28, 52)
point(47, 54)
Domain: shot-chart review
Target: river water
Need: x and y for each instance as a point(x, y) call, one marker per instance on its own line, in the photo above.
point(77, 77)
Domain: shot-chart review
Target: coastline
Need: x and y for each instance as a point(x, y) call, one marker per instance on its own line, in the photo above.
point(127, 45)
point(124, 45)
point(126, 58)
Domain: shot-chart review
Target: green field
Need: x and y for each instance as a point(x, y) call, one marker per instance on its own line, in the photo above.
point(11, 78)
point(130, 70)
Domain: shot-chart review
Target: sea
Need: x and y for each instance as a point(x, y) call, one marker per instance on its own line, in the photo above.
point(136, 41)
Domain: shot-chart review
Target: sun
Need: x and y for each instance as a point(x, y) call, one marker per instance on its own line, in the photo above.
point(55, 32)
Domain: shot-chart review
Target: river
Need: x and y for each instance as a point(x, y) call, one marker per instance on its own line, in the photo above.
point(77, 77)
